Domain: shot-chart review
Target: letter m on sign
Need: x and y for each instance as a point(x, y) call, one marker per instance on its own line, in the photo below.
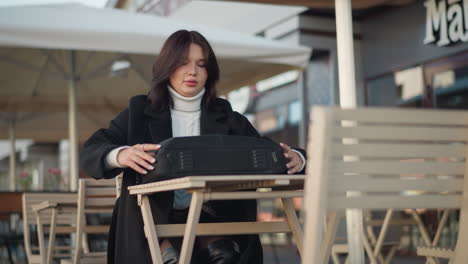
point(436, 21)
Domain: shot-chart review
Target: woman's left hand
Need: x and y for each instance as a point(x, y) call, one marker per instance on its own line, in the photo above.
point(294, 160)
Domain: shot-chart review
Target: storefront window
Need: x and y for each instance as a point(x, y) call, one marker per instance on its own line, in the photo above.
point(441, 83)
point(448, 81)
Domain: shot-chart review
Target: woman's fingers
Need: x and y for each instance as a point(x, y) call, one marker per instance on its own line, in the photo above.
point(137, 158)
point(294, 161)
point(148, 147)
point(293, 167)
point(292, 164)
point(146, 156)
point(137, 168)
point(152, 147)
point(142, 162)
point(285, 147)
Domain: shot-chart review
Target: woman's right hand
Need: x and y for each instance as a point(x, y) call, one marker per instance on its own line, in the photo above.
point(137, 158)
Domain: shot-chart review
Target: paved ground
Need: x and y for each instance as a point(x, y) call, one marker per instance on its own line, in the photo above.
point(288, 255)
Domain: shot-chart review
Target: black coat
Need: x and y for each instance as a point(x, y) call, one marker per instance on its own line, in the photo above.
point(137, 124)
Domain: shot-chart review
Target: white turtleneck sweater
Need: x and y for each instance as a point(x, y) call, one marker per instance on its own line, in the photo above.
point(185, 114)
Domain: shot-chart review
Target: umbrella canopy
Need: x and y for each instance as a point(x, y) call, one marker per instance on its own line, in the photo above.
point(52, 126)
point(37, 62)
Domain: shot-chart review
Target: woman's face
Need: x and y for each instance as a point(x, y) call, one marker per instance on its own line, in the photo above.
point(189, 78)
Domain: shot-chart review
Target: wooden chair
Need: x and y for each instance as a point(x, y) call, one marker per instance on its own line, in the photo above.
point(205, 188)
point(94, 197)
point(38, 254)
point(379, 158)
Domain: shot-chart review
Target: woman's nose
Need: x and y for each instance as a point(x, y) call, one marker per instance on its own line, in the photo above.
point(193, 69)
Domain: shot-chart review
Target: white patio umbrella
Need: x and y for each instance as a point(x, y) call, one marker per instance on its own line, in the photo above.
point(55, 58)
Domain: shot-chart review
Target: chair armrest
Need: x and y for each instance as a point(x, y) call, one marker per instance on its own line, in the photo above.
point(43, 206)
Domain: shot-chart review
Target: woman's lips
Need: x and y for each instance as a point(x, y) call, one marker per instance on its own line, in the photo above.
point(191, 83)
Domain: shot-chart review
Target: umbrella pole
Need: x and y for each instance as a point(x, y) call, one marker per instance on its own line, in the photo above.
point(302, 85)
point(347, 84)
point(72, 125)
point(12, 131)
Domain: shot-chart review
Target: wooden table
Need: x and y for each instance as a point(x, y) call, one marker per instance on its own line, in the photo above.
point(232, 187)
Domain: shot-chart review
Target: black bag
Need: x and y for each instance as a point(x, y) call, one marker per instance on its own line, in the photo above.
point(216, 155)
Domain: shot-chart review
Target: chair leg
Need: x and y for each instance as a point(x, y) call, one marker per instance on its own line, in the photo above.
point(391, 253)
point(368, 249)
point(50, 250)
point(40, 237)
point(329, 236)
point(335, 257)
point(424, 234)
point(191, 227)
point(440, 227)
point(383, 232)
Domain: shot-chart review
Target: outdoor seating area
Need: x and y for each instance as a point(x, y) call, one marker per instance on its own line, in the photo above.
point(363, 104)
point(365, 158)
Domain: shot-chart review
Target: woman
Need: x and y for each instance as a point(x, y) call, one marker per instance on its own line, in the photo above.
point(182, 102)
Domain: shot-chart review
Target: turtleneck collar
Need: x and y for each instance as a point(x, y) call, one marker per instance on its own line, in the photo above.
point(186, 104)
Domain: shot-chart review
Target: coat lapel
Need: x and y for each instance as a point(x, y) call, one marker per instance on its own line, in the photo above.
point(159, 124)
point(213, 122)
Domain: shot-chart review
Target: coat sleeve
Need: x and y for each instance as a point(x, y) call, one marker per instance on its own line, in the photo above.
point(96, 148)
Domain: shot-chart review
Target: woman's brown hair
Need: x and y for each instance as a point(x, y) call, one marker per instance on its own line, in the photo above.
point(173, 53)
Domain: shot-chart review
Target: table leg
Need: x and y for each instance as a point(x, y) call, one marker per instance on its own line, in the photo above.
point(150, 231)
point(293, 222)
point(191, 227)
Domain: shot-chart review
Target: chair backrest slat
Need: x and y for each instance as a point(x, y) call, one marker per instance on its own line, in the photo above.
point(101, 182)
point(100, 201)
point(388, 167)
point(406, 150)
point(395, 201)
point(401, 133)
point(101, 191)
point(394, 116)
point(367, 183)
